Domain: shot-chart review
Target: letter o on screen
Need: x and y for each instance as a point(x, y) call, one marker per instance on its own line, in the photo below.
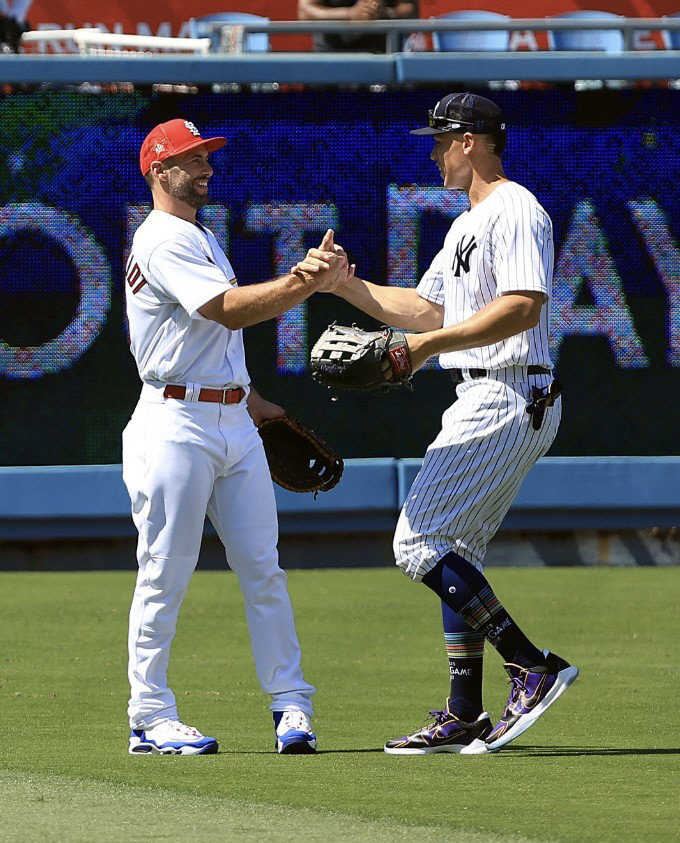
point(94, 277)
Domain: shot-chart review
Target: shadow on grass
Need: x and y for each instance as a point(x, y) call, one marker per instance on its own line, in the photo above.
point(336, 751)
point(549, 751)
point(506, 752)
point(308, 754)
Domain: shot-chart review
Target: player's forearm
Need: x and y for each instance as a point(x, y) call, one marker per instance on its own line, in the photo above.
point(398, 306)
point(244, 306)
point(502, 318)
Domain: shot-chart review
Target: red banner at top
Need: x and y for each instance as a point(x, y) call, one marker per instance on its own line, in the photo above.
point(171, 17)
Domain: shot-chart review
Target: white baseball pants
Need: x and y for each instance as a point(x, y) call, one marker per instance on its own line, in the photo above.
point(182, 460)
point(471, 473)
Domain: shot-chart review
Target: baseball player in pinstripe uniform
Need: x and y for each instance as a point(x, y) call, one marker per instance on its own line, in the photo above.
point(482, 306)
point(192, 447)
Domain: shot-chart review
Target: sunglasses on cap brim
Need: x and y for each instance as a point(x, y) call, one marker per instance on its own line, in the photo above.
point(445, 123)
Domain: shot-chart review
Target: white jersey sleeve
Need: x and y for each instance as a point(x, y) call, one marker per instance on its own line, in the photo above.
point(185, 275)
point(431, 286)
point(522, 242)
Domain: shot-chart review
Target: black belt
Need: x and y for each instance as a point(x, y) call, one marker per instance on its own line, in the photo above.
point(457, 374)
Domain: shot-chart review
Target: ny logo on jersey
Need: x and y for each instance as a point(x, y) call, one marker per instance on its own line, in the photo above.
point(461, 257)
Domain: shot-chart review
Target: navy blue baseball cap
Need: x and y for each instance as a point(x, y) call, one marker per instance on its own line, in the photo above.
point(465, 113)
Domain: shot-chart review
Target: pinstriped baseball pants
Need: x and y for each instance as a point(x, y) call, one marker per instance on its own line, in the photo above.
point(471, 473)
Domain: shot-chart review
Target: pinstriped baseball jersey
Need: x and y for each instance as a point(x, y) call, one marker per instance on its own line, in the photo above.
point(503, 244)
point(487, 445)
point(175, 267)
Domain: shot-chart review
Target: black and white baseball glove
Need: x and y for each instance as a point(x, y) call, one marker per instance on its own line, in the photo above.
point(349, 358)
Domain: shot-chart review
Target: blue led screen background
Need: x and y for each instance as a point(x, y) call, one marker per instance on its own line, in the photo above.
point(604, 164)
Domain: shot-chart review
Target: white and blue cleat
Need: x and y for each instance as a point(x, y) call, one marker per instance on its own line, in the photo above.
point(170, 737)
point(294, 735)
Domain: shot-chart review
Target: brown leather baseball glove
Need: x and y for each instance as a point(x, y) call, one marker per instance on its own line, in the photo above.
point(299, 460)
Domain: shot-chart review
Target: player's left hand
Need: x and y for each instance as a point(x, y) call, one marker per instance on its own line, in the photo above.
point(417, 350)
point(260, 409)
point(347, 357)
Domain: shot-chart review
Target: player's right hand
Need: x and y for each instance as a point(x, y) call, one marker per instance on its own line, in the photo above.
point(326, 267)
point(319, 259)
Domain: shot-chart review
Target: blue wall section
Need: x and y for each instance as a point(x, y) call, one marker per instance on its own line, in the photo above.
point(560, 493)
point(335, 69)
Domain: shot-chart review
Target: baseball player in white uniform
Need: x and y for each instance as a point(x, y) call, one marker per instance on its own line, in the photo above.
point(482, 306)
point(192, 448)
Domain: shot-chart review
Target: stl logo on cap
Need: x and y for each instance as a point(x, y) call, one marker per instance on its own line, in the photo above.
point(190, 126)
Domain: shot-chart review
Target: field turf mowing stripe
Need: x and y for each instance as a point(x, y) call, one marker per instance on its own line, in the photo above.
point(601, 766)
point(56, 809)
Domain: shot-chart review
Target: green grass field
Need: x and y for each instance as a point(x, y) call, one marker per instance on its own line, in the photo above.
point(602, 765)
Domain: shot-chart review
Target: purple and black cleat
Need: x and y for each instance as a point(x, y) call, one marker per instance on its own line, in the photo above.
point(532, 691)
point(446, 734)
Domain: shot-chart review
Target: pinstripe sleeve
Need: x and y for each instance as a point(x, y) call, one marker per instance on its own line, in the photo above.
point(523, 246)
point(431, 286)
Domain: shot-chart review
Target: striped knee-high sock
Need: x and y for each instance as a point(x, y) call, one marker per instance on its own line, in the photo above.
point(465, 651)
point(467, 591)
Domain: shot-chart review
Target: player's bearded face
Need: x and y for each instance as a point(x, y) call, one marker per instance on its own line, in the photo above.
point(188, 176)
point(188, 188)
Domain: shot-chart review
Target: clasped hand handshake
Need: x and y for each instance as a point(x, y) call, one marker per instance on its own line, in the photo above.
point(327, 267)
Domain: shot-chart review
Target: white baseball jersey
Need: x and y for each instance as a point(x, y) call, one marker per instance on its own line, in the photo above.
point(474, 468)
point(176, 267)
point(502, 245)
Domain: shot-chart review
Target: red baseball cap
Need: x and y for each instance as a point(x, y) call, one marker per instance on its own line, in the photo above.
point(171, 138)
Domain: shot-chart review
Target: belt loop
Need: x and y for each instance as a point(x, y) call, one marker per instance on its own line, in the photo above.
point(192, 391)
